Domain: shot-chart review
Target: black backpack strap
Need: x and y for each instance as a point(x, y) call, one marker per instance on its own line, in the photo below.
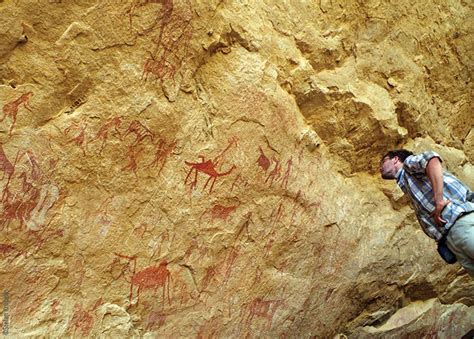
point(470, 196)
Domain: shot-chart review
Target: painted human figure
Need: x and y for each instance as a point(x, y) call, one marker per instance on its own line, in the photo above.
point(11, 109)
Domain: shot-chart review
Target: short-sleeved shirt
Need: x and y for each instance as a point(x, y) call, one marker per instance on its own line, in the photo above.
point(414, 182)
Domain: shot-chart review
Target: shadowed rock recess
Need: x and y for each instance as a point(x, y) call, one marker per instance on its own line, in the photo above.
point(210, 168)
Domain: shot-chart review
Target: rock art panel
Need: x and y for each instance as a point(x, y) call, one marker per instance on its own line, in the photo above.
point(210, 168)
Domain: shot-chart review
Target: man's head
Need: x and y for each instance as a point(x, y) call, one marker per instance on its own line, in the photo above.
point(392, 161)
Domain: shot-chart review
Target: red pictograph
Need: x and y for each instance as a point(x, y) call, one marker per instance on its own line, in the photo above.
point(295, 205)
point(232, 142)
point(244, 227)
point(163, 16)
point(142, 229)
point(152, 277)
point(80, 135)
point(172, 34)
point(40, 237)
point(258, 276)
point(137, 138)
point(135, 149)
point(210, 328)
point(219, 211)
point(5, 165)
point(302, 203)
point(8, 168)
point(81, 321)
point(141, 132)
point(239, 182)
point(209, 167)
point(205, 167)
point(287, 174)
point(230, 262)
point(103, 132)
point(211, 272)
point(260, 308)
point(220, 272)
point(263, 161)
point(160, 68)
point(54, 307)
point(277, 214)
point(195, 247)
point(275, 173)
point(6, 250)
point(155, 320)
point(33, 242)
point(11, 109)
point(222, 212)
point(122, 266)
point(28, 196)
point(16, 209)
point(133, 155)
point(275, 218)
point(36, 173)
point(163, 150)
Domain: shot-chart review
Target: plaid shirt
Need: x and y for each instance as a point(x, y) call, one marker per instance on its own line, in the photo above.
point(415, 183)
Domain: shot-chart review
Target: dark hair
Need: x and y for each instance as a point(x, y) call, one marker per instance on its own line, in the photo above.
point(402, 154)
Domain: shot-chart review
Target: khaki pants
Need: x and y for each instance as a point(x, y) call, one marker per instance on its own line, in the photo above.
point(460, 241)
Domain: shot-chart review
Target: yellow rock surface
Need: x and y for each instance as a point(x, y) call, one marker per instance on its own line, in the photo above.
point(210, 168)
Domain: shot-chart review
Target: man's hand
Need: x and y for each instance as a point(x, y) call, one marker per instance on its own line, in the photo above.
point(435, 175)
point(439, 205)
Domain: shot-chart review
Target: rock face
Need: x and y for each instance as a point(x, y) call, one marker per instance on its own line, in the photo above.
point(210, 168)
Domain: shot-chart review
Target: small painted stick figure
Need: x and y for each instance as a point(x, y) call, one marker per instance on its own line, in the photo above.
point(163, 150)
point(80, 138)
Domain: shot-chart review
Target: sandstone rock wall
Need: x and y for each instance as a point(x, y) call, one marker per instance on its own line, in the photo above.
point(210, 168)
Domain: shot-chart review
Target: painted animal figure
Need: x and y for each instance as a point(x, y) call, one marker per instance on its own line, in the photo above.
point(159, 68)
point(264, 309)
point(103, 132)
point(18, 209)
point(11, 109)
point(141, 132)
point(207, 167)
point(221, 212)
point(151, 278)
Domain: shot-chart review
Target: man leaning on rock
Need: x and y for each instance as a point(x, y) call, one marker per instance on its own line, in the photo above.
point(443, 204)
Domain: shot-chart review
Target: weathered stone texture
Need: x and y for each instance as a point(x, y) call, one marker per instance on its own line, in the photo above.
point(210, 168)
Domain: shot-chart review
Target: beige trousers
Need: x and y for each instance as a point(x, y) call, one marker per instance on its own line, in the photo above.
point(460, 241)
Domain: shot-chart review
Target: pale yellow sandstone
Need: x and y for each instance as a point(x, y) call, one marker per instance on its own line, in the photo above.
point(210, 168)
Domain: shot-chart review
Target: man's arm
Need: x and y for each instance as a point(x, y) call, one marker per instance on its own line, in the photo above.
point(434, 171)
point(416, 164)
